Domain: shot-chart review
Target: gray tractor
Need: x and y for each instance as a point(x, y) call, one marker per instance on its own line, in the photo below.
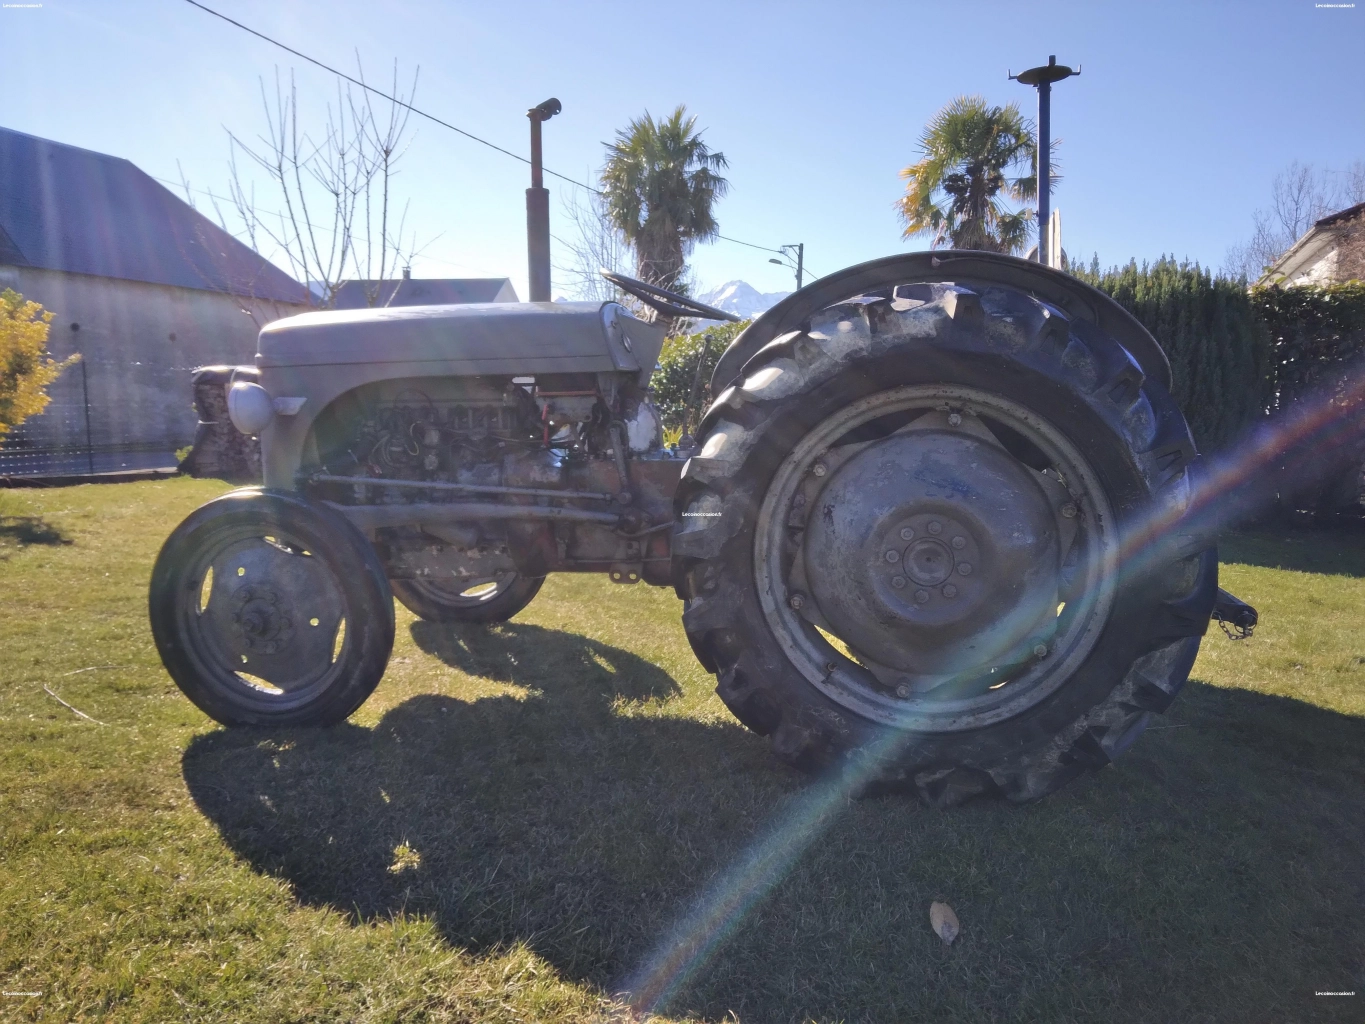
point(937, 522)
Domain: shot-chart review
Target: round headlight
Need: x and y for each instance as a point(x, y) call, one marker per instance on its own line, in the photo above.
point(250, 407)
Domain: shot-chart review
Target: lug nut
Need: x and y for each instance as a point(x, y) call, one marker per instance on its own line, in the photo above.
point(898, 582)
point(1069, 511)
point(796, 601)
point(902, 691)
point(964, 568)
point(818, 469)
point(949, 590)
point(1040, 650)
point(935, 527)
point(907, 533)
point(893, 555)
point(954, 420)
point(921, 596)
point(959, 543)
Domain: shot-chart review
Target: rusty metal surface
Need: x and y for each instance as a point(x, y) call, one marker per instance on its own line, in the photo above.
point(434, 485)
point(929, 547)
point(373, 517)
point(962, 584)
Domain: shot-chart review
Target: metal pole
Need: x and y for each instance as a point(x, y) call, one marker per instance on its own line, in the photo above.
point(538, 209)
point(1044, 164)
point(85, 391)
point(1042, 79)
point(800, 262)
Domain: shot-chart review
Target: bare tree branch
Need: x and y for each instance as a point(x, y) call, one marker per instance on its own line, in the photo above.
point(331, 189)
point(1299, 196)
point(593, 245)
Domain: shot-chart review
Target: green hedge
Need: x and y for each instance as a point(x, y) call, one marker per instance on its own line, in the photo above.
point(1235, 355)
point(1317, 336)
point(1220, 351)
point(680, 392)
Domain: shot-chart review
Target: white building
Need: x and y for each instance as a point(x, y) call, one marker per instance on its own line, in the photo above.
point(1330, 252)
point(141, 285)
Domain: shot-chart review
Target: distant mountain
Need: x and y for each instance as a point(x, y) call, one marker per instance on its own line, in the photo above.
point(741, 298)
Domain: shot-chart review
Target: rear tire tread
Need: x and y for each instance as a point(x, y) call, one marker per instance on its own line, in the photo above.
point(1091, 366)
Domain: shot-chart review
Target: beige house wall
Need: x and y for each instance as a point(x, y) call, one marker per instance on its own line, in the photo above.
point(1323, 272)
point(139, 343)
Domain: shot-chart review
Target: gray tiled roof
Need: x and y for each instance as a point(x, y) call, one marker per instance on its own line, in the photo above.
point(425, 292)
point(64, 208)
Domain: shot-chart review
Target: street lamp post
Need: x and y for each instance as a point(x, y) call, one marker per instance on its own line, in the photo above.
point(1042, 78)
point(800, 248)
point(538, 208)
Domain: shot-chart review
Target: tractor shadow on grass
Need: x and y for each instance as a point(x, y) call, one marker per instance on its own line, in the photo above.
point(571, 819)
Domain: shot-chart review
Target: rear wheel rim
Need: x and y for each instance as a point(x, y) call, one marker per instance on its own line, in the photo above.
point(463, 593)
point(265, 617)
point(912, 657)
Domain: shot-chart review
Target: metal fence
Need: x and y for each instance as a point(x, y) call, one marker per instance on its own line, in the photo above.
point(59, 441)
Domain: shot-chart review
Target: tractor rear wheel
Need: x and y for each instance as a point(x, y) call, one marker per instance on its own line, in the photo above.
point(495, 599)
point(933, 538)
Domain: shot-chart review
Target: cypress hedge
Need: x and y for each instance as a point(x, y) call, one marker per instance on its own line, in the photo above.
point(1220, 350)
point(1236, 355)
point(1264, 359)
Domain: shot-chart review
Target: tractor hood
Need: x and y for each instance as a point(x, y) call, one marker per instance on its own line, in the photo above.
point(490, 338)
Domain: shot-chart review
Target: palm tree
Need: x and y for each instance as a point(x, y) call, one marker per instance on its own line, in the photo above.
point(955, 191)
point(661, 183)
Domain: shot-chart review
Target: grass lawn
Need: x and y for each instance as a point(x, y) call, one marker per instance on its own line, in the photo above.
point(519, 815)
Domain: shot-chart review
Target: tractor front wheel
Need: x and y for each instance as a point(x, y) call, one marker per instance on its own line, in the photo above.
point(271, 610)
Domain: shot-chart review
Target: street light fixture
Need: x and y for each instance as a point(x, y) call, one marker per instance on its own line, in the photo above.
point(800, 248)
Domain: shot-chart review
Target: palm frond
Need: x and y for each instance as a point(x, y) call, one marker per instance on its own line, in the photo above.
point(972, 154)
point(662, 183)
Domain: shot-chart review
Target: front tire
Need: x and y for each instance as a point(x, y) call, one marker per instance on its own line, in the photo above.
point(855, 468)
point(271, 610)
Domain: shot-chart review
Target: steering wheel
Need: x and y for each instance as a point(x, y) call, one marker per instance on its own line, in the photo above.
point(665, 302)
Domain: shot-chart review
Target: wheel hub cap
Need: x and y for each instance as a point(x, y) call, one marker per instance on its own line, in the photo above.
point(934, 551)
point(272, 612)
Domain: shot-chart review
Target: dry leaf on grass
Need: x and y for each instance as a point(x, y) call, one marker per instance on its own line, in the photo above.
point(943, 921)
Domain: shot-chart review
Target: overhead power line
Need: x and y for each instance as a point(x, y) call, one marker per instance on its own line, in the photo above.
point(749, 244)
point(379, 92)
point(418, 111)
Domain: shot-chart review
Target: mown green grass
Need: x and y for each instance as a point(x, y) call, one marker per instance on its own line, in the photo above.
point(519, 814)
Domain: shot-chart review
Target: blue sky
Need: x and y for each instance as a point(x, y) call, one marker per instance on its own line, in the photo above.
point(1183, 114)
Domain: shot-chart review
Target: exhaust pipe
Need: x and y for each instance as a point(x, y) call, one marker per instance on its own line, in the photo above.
point(538, 207)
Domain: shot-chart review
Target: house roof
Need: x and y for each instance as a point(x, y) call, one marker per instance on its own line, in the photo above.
point(70, 209)
point(1341, 216)
point(1315, 244)
point(424, 292)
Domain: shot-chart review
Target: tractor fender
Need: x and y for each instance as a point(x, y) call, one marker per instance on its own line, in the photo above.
point(1072, 296)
